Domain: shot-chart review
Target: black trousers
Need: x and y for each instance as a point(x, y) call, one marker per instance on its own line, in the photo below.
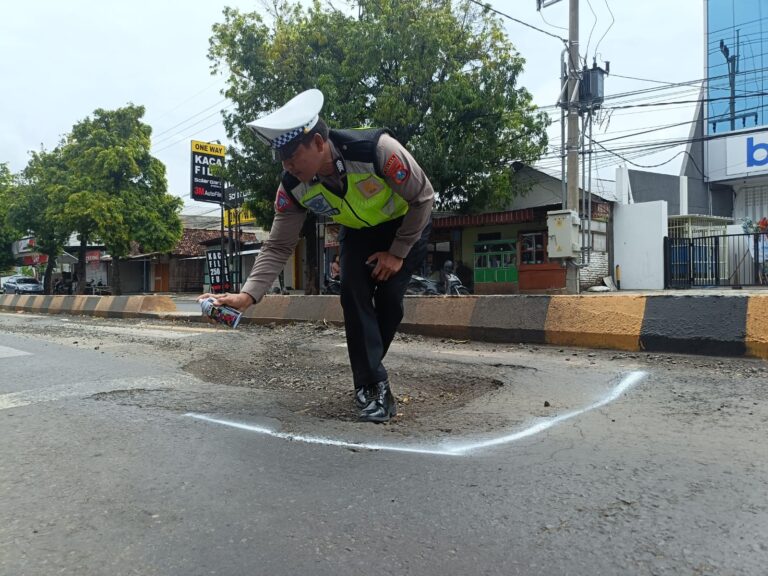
point(373, 310)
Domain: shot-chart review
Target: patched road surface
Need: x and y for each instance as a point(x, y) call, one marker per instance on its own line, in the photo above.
point(169, 448)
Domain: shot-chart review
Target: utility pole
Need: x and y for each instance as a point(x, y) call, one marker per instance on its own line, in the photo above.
point(572, 151)
point(733, 69)
point(564, 225)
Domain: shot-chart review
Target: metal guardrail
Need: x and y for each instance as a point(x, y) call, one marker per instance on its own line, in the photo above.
point(734, 260)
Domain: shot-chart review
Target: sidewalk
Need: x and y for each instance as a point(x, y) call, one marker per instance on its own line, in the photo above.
point(718, 323)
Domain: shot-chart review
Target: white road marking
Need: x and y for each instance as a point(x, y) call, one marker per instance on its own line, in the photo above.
point(445, 449)
point(312, 439)
point(6, 352)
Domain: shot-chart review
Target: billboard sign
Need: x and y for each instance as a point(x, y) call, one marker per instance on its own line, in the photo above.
point(206, 187)
point(233, 197)
point(746, 154)
point(218, 272)
point(233, 216)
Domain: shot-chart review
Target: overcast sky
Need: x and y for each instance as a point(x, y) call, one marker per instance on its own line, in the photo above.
point(64, 59)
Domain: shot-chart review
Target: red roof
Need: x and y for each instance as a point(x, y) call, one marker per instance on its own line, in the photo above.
point(490, 218)
point(193, 241)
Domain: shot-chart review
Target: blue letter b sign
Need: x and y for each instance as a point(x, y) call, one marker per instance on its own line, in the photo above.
point(752, 148)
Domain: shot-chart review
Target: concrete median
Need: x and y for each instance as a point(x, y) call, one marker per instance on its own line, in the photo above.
point(716, 324)
point(101, 306)
point(719, 325)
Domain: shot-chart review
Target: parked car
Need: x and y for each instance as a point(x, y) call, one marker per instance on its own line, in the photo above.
point(22, 285)
point(9, 279)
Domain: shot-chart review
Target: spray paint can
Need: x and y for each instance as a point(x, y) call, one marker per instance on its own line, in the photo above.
point(221, 314)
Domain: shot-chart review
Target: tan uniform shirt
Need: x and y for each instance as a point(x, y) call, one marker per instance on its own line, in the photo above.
point(289, 217)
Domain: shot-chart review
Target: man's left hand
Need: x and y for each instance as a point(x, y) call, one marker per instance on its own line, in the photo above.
point(387, 265)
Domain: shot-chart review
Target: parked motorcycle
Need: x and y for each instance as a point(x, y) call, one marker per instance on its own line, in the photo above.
point(332, 286)
point(455, 287)
point(420, 286)
point(417, 286)
point(450, 283)
point(61, 287)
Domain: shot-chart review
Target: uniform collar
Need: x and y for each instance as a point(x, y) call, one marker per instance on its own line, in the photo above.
point(339, 165)
point(336, 182)
point(338, 160)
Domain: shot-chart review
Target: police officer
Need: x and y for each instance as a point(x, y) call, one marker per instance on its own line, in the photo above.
point(367, 182)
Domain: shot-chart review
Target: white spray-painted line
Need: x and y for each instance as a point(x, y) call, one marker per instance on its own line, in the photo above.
point(625, 384)
point(446, 449)
point(8, 352)
point(313, 439)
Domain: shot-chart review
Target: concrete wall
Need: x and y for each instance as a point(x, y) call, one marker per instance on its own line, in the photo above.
point(639, 231)
point(598, 268)
point(683, 195)
point(698, 198)
point(722, 200)
point(651, 187)
point(593, 274)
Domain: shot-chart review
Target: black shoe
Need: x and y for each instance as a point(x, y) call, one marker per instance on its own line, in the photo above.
point(363, 396)
point(382, 405)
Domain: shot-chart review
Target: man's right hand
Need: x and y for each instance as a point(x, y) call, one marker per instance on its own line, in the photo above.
point(241, 301)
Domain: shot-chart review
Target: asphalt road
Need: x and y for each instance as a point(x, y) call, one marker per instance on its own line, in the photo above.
point(643, 465)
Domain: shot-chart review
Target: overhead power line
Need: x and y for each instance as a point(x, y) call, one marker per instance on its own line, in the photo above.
point(594, 25)
point(508, 17)
point(700, 100)
point(652, 165)
point(167, 144)
point(191, 117)
point(613, 21)
point(541, 13)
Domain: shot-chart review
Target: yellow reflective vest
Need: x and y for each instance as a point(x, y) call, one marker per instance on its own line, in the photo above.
point(367, 200)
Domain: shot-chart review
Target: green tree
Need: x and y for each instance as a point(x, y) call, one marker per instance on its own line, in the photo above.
point(441, 75)
point(119, 190)
point(36, 205)
point(8, 234)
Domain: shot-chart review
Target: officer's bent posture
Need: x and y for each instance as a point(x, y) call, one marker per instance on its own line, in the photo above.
point(367, 182)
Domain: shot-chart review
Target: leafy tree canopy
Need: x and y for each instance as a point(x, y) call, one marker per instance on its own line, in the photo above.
point(7, 232)
point(101, 182)
point(38, 199)
point(441, 75)
point(119, 191)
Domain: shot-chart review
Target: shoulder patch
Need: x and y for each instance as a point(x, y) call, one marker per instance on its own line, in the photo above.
point(283, 200)
point(369, 187)
point(396, 170)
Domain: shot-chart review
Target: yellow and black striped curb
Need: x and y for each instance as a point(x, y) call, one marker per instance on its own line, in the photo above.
point(733, 325)
point(102, 306)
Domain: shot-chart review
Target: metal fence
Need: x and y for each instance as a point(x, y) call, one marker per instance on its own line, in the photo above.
point(726, 260)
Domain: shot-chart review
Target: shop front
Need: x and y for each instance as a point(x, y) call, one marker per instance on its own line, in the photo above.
point(506, 251)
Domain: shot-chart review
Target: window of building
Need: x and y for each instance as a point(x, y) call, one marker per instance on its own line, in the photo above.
point(495, 261)
point(755, 202)
point(737, 44)
point(533, 248)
